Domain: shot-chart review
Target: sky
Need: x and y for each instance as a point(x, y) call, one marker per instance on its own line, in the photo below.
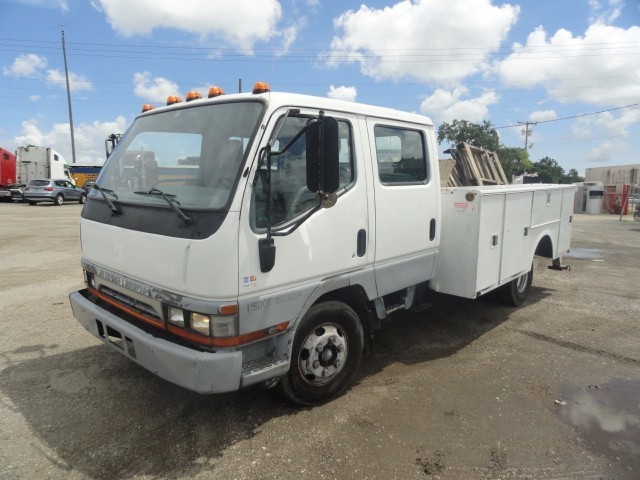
point(570, 67)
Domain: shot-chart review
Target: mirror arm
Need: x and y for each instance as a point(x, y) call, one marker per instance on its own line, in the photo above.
point(298, 223)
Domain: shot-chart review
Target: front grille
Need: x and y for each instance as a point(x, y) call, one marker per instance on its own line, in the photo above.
point(129, 302)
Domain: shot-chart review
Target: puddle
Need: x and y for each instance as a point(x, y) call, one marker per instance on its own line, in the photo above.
point(607, 417)
point(586, 253)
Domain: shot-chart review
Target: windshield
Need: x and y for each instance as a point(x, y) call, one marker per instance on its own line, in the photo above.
point(193, 155)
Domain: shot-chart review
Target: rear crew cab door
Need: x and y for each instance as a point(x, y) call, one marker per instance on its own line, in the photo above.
point(405, 187)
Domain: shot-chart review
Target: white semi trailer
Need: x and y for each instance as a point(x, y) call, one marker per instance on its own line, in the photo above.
point(263, 237)
point(34, 162)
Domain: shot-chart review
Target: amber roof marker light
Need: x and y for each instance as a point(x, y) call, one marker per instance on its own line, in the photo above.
point(173, 99)
point(215, 92)
point(146, 107)
point(261, 87)
point(193, 95)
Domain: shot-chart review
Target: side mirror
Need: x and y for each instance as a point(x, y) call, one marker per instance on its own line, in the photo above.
point(323, 152)
point(267, 253)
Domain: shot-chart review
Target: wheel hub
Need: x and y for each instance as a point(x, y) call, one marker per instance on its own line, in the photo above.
point(323, 354)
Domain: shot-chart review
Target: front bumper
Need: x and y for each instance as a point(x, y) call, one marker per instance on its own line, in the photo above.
point(202, 372)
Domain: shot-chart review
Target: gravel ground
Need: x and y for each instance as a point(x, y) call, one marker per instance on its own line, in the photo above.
point(463, 390)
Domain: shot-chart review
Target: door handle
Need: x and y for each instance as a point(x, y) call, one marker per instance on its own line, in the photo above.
point(362, 242)
point(432, 229)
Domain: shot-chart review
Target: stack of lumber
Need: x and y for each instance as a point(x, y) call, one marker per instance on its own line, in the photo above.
point(474, 166)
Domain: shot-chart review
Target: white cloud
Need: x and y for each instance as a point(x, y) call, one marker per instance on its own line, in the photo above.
point(611, 131)
point(598, 68)
point(89, 138)
point(77, 83)
point(605, 11)
point(543, 115)
point(240, 22)
point(25, 65)
point(34, 98)
point(430, 40)
point(154, 89)
point(445, 105)
point(343, 93)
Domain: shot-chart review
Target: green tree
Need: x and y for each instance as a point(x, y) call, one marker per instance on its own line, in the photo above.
point(573, 177)
point(514, 160)
point(482, 135)
point(549, 170)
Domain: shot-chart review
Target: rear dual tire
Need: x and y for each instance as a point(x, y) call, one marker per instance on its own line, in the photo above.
point(517, 290)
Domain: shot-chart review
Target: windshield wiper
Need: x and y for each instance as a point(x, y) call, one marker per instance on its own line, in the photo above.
point(115, 209)
point(171, 201)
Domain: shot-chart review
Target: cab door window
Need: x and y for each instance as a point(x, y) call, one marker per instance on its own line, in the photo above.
point(290, 196)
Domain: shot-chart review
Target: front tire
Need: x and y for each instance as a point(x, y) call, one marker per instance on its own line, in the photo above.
point(59, 199)
point(517, 290)
point(327, 350)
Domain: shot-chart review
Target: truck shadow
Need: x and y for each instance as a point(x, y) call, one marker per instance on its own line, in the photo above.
point(95, 412)
point(448, 326)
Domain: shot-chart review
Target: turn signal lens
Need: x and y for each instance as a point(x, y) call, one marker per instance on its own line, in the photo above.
point(261, 87)
point(215, 92)
point(224, 326)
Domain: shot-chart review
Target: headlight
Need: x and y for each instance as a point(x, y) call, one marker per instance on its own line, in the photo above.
point(176, 316)
point(215, 325)
point(200, 323)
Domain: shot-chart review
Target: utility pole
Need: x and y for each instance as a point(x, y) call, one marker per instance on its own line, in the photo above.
point(66, 73)
point(527, 132)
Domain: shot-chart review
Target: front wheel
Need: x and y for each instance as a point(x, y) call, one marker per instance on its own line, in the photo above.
point(517, 290)
point(83, 198)
point(327, 350)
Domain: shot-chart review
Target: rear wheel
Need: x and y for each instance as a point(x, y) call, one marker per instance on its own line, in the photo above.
point(327, 350)
point(517, 290)
point(59, 199)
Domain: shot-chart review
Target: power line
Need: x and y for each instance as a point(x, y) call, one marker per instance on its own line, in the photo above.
point(572, 116)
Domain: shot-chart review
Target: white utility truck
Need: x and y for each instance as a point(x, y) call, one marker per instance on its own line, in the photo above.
point(262, 237)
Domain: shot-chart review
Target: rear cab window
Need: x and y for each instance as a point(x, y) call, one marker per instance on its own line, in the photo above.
point(401, 155)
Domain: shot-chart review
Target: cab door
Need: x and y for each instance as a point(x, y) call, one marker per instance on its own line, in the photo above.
point(405, 186)
point(330, 242)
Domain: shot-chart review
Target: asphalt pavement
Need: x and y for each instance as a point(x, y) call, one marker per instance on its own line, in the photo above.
point(463, 390)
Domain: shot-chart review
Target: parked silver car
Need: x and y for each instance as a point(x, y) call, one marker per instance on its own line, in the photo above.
point(56, 191)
